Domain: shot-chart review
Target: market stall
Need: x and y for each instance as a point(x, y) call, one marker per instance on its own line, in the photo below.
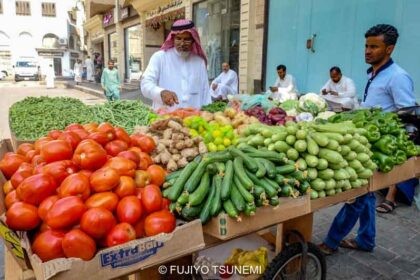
point(198, 178)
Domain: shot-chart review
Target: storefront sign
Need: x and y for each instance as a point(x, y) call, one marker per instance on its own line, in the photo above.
point(50, 53)
point(97, 33)
point(157, 21)
point(124, 12)
point(74, 55)
point(108, 18)
point(174, 4)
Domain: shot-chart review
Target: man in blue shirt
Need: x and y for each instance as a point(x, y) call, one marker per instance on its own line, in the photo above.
point(391, 88)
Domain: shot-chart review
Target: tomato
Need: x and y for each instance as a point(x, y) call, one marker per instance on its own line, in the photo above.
point(121, 134)
point(22, 216)
point(97, 222)
point(126, 187)
point(145, 161)
point(165, 204)
point(76, 184)
point(40, 142)
point(89, 155)
point(82, 133)
point(59, 169)
point(139, 228)
point(120, 234)
point(135, 149)
point(158, 222)
point(131, 155)
point(151, 198)
point(144, 142)
point(37, 160)
point(56, 150)
point(10, 199)
point(77, 244)
point(157, 174)
point(115, 147)
point(129, 210)
point(141, 178)
point(10, 163)
point(90, 127)
point(65, 212)
point(124, 167)
point(104, 179)
point(30, 155)
point(54, 134)
point(107, 200)
point(24, 148)
point(85, 172)
point(48, 245)
point(99, 137)
point(46, 205)
point(36, 188)
point(73, 126)
point(70, 137)
point(43, 227)
point(25, 166)
point(8, 187)
point(19, 176)
point(106, 127)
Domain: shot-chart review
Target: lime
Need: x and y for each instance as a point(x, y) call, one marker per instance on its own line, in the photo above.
point(216, 133)
point(227, 142)
point(220, 147)
point(212, 147)
point(218, 141)
point(235, 141)
point(230, 135)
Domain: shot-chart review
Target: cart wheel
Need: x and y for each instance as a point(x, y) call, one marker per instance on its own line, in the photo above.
point(286, 265)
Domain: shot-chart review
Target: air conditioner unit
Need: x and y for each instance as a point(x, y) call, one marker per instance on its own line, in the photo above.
point(62, 41)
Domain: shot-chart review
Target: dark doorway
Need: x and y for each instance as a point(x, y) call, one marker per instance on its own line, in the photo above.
point(57, 67)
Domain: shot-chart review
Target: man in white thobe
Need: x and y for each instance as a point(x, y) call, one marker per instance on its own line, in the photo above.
point(339, 91)
point(176, 76)
point(226, 83)
point(78, 70)
point(89, 69)
point(285, 86)
point(50, 75)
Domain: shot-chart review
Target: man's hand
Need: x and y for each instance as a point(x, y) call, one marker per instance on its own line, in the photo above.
point(324, 91)
point(213, 86)
point(334, 93)
point(274, 89)
point(169, 97)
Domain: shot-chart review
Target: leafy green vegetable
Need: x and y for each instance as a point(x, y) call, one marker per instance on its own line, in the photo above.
point(218, 106)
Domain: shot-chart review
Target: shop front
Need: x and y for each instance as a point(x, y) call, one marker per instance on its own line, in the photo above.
point(218, 22)
point(96, 33)
point(56, 57)
point(132, 44)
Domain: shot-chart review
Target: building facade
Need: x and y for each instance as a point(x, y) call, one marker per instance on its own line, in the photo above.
point(130, 31)
point(40, 30)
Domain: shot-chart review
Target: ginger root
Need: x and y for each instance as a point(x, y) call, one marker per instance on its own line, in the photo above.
point(202, 148)
point(189, 153)
point(182, 162)
point(167, 134)
point(172, 166)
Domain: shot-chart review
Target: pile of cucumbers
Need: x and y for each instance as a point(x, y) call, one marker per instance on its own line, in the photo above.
point(236, 180)
point(334, 157)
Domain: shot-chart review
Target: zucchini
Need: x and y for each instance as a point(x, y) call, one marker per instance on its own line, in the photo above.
point(312, 173)
point(269, 189)
point(222, 156)
point(173, 175)
point(183, 199)
point(314, 194)
point(330, 184)
point(237, 199)
point(285, 169)
point(334, 136)
point(290, 140)
point(250, 209)
point(300, 146)
point(311, 160)
point(274, 201)
point(320, 139)
point(261, 169)
point(301, 164)
point(322, 164)
point(245, 194)
point(301, 134)
point(177, 187)
point(169, 183)
point(200, 193)
point(279, 179)
point(230, 209)
point(217, 201)
point(299, 175)
point(362, 157)
point(351, 156)
point(326, 174)
point(249, 162)
point(345, 150)
point(330, 155)
point(239, 169)
point(211, 168)
point(333, 145)
point(206, 210)
point(172, 207)
point(322, 194)
point(195, 177)
point(269, 167)
point(286, 191)
point(227, 181)
point(281, 146)
point(313, 147)
point(258, 192)
point(292, 154)
point(318, 184)
point(304, 186)
point(330, 192)
point(365, 174)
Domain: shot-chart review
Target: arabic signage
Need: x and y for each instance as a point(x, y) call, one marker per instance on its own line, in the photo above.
point(49, 53)
point(162, 9)
point(108, 18)
point(124, 13)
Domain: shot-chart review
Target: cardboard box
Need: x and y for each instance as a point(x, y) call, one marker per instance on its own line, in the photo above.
point(320, 203)
point(223, 227)
point(16, 142)
point(398, 174)
point(108, 263)
point(417, 166)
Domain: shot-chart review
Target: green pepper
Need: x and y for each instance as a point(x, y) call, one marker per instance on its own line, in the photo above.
point(400, 157)
point(372, 133)
point(385, 163)
point(387, 144)
point(411, 149)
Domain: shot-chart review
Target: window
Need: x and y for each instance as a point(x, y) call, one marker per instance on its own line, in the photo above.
point(1, 6)
point(48, 9)
point(23, 8)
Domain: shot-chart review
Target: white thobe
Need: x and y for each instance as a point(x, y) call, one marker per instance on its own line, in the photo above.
point(287, 89)
point(187, 77)
point(346, 92)
point(49, 79)
point(227, 83)
point(89, 69)
point(78, 69)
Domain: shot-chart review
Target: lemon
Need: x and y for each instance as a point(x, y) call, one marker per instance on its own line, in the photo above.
point(212, 147)
point(218, 141)
point(221, 147)
point(230, 135)
point(193, 132)
point(216, 133)
point(227, 142)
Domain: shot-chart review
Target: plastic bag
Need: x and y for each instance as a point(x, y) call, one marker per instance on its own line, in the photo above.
point(257, 99)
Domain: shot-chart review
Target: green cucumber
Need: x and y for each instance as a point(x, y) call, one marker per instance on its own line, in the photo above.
point(230, 209)
point(191, 212)
point(227, 181)
point(173, 175)
point(183, 198)
point(220, 168)
point(217, 201)
point(304, 186)
point(205, 211)
point(269, 189)
point(249, 162)
point(313, 148)
point(330, 155)
point(258, 191)
point(312, 173)
point(200, 193)
point(245, 194)
point(269, 166)
point(211, 168)
point(195, 177)
point(285, 169)
point(250, 209)
point(274, 201)
point(237, 198)
point(177, 187)
point(286, 191)
point(320, 139)
point(261, 169)
point(239, 169)
point(292, 154)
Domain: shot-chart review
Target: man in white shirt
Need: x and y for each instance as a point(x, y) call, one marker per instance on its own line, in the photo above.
point(339, 91)
point(285, 86)
point(176, 76)
point(89, 69)
point(226, 83)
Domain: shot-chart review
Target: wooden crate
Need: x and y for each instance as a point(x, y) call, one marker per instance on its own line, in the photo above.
point(320, 203)
point(398, 174)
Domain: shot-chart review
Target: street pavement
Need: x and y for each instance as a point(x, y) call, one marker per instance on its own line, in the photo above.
point(396, 256)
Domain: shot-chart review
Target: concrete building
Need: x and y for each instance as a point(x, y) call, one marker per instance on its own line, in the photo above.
point(40, 30)
point(130, 31)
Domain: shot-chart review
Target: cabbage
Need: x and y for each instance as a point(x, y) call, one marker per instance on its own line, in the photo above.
point(312, 103)
point(325, 115)
point(289, 105)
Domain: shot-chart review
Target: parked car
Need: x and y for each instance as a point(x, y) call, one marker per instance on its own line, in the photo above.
point(26, 70)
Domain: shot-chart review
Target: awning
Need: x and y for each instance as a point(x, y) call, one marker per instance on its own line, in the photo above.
point(100, 6)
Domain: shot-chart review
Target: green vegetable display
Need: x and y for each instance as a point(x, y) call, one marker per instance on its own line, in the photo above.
point(218, 106)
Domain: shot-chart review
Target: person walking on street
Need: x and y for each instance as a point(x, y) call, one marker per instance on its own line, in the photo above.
point(78, 70)
point(176, 75)
point(89, 69)
point(391, 88)
point(110, 82)
point(50, 76)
